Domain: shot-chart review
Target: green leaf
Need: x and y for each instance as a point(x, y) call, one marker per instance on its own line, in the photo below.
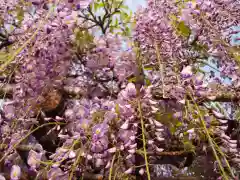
point(148, 68)
point(117, 110)
point(20, 14)
point(172, 129)
point(126, 31)
point(111, 28)
point(238, 115)
point(133, 79)
point(124, 16)
point(179, 124)
point(148, 82)
point(183, 29)
point(124, 7)
point(97, 6)
point(188, 146)
point(116, 22)
point(173, 18)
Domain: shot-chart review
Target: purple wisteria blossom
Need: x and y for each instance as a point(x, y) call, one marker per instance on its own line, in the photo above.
point(73, 109)
point(99, 130)
point(15, 172)
point(100, 144)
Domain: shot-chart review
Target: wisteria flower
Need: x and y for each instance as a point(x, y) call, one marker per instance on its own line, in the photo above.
point(82, 112)
point(109, 115)
point(69, 114)
point(84, 3)
point(100, 145)
point(129, 92)
point(34, 159)
point(84, 123)
point(9, 111)
point(187, 72)
point(54, 173)
point(15, 172)
point(99, 130)
point(2, 177)
point(124, 135)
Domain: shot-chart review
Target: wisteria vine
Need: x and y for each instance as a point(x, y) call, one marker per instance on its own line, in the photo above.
point(83, 100)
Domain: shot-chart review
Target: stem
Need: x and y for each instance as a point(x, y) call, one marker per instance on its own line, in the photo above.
point(111, 168)
point(20, 141)
point(144, 139)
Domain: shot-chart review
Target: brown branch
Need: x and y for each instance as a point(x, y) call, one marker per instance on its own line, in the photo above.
point(105, 21)
point(170, 153)
point(91, 176)
point(6, 90)
point(217, 97)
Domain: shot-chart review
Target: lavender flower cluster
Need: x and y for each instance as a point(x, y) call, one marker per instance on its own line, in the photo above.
point(43, 71)
point(99, 129)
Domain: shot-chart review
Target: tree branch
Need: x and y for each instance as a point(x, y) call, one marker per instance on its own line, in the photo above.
point(101, 22)
point(219, 96)
point(6, 90)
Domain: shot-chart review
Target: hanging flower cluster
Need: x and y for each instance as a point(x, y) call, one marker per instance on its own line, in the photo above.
point(107, 111)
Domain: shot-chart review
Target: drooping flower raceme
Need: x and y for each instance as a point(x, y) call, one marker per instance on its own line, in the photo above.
point(43, 72)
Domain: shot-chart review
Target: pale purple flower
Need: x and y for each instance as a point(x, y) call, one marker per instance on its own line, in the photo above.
point(82, 112)
point(187, 72)
point(99, 130)
point(72, 154)
point(178, 114)
point(69, 114)
point(129, 171)
point(100, 144)
point(15, 173)
point(9, 111)
point(109, 115)
point(54, 173)
point(124, 135)
point(125, 125)
point(82, 4)
point(186, 15)
point(126, 110)
point(199, 79)
point(2, 177)
point(108, 105)
point(131, 90)
point(99, 162)
point(34, 159)
point(84, 123)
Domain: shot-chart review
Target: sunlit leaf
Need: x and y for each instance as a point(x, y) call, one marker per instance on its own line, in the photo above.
point(148, 68)
point(133, 79)
point(188, 146)
point(124, 7)
point(183, 29)
point(148, 82)
point(238, 115)
point(20, 14)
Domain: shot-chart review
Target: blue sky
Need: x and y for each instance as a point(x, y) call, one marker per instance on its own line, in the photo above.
point(133, 4)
